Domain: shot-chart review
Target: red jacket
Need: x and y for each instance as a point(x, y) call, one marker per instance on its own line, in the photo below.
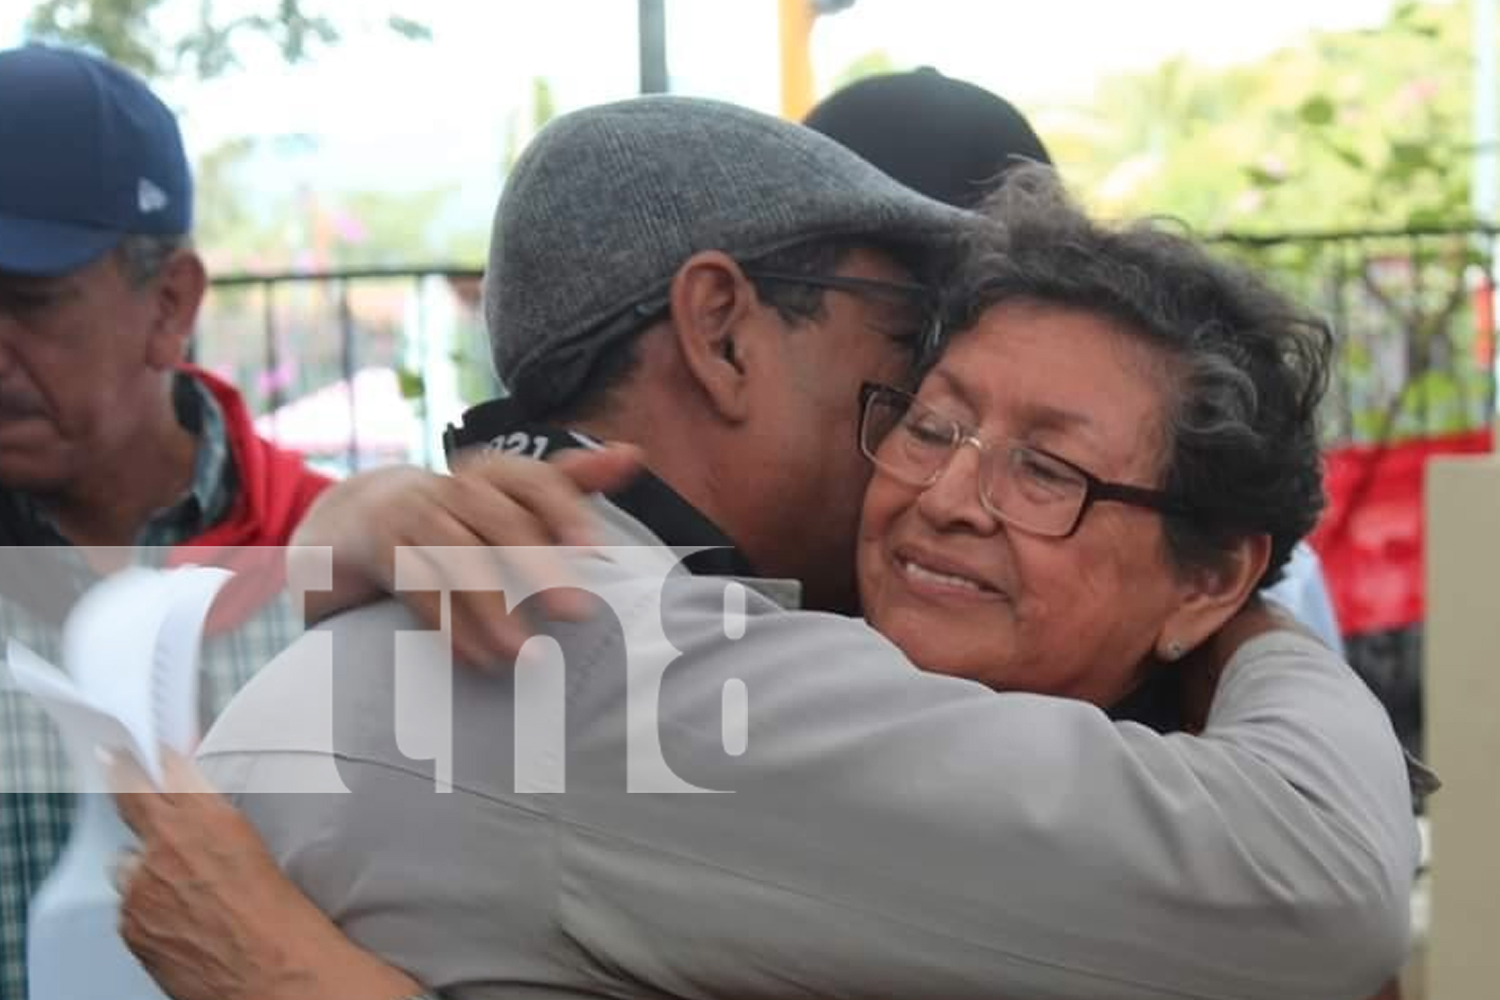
point(275, 490)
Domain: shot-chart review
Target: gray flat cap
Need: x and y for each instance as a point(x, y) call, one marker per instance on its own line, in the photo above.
point(607, 203)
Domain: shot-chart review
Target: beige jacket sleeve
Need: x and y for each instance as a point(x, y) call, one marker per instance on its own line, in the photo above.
point(878, 832)
point(892, 833)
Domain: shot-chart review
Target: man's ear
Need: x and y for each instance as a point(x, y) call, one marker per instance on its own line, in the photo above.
point(710, 300)
point(176, 294)
point(1212, 595)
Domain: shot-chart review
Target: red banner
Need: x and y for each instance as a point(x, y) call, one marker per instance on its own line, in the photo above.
point(1370, 538)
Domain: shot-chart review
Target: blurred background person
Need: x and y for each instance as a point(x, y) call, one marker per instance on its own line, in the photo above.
point(109, 441)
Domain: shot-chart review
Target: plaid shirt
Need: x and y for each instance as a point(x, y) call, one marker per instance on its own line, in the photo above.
point(36, 815)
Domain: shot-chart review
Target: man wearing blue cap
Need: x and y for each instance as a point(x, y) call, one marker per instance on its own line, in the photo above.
point(106, 437)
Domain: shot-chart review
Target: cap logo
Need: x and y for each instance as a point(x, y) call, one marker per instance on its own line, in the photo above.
point(149, 197)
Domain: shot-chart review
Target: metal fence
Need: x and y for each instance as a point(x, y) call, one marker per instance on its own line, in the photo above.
point(360, 367)
point(1414, 311)
point(354, 368)
point(1414, 314)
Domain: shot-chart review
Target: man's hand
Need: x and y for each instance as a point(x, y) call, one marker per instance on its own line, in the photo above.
point(210, 915)
point(491, 501)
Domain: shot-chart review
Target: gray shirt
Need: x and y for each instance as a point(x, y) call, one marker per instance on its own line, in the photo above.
point(876, 831)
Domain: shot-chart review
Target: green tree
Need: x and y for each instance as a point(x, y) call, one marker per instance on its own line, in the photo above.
point(129, 32)
point(876, 62)
point(1354, 129)
point(1387, 138)
point(519, 133)
point(375, 228)
point(221, 218)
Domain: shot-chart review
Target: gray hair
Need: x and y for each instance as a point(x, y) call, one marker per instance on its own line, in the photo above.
point(142, 257)
point(1249, 366)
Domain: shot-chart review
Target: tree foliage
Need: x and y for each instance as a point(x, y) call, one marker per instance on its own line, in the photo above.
point(518, 132)
point(1355, 129)
point(876, 62)
point(132, 33)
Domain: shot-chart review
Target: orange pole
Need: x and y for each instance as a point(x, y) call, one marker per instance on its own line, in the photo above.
point(796, 19)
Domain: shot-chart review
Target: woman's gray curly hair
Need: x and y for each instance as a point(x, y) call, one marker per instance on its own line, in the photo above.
point(1249, 366)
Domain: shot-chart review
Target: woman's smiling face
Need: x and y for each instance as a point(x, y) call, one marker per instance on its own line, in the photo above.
point(963, 592)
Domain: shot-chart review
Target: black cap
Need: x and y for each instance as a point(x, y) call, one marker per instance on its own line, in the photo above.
point(946, 138)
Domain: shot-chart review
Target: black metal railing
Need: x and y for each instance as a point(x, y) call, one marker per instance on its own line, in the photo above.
point(1414, 314)
point(287, 337)
point(1413, 310)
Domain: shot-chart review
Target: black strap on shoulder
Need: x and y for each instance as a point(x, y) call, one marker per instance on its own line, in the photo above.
point(500, 425)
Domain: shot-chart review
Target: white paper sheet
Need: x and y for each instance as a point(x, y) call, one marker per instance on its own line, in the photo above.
point(131, 651)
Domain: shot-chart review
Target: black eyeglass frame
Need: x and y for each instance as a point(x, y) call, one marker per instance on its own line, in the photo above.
point(1095, 488)
point(930, 338)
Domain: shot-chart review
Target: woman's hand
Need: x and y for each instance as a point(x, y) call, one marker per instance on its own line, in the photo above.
point(208, 912)
point(450, 530)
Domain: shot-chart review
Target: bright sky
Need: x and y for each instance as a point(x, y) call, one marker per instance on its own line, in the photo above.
point(397, 114)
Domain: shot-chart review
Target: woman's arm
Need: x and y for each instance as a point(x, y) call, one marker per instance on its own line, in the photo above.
point(209, 914)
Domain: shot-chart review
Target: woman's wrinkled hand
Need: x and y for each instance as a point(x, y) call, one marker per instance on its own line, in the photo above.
point(207, 911)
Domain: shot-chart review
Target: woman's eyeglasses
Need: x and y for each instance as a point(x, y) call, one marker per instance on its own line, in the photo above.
point(1028, 488)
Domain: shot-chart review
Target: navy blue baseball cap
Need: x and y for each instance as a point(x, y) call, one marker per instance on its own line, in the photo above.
point(90, 155)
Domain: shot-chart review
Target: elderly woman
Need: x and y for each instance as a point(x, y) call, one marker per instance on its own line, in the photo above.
point(1082, 492)
point(1115, 451)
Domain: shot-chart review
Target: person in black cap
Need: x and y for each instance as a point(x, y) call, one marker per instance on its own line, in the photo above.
point(106, 437)
point(947, 138)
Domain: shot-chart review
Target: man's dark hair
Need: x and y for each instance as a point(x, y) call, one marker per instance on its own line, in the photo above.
point(797, 304)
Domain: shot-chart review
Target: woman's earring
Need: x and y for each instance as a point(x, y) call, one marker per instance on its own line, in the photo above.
point(1173, 652)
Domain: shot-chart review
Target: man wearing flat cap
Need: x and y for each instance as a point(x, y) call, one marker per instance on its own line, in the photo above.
point(712, 285)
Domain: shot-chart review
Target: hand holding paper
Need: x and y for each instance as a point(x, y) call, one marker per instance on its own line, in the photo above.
point(131, 652)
